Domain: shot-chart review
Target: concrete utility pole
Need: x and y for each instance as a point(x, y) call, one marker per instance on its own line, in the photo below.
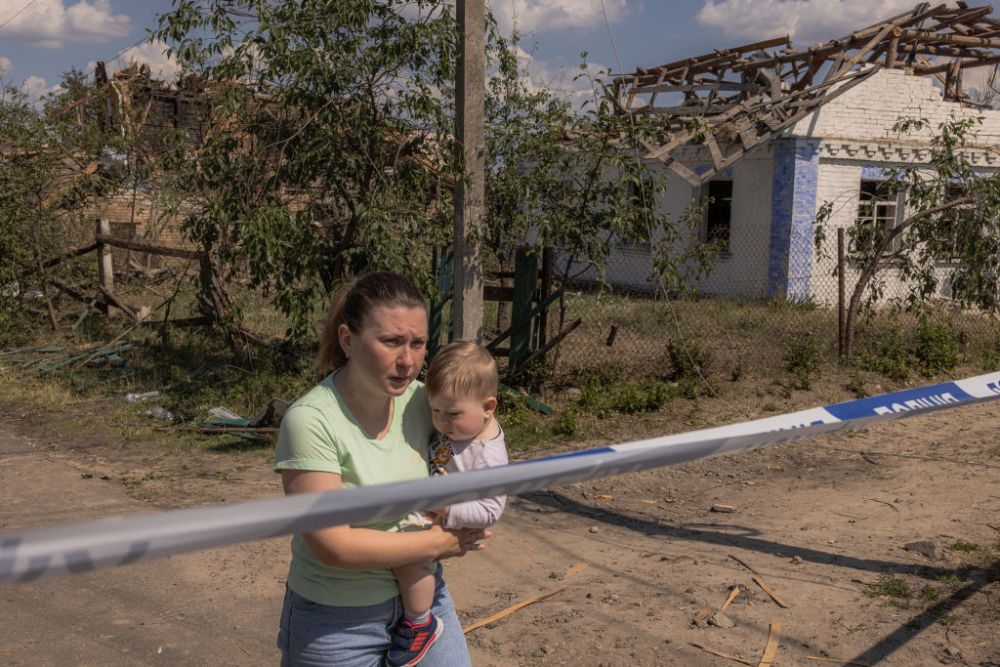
point(470, 191)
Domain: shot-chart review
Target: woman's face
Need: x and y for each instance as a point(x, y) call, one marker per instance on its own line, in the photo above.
point(389, 350)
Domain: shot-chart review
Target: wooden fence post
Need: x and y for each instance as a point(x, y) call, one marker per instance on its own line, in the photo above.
point(105, 269)
point(525, 282)
point(841, 297)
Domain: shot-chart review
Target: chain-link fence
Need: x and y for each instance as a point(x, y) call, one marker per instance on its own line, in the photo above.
point(753, 314)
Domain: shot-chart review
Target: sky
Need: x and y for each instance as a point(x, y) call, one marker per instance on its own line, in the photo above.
point(41, 39)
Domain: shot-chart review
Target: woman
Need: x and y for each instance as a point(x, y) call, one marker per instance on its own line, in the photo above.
point(367, 423)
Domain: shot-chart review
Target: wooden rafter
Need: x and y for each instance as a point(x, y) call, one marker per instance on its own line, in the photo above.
point(743, 96)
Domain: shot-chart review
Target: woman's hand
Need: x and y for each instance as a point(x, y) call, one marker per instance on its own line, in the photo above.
point(459, 541)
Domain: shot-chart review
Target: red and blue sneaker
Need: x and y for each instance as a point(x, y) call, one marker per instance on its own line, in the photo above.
point(411, 642)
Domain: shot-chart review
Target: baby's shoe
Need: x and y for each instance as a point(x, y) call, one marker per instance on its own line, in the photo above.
point(411, 642)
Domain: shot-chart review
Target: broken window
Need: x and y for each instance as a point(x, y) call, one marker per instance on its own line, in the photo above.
point(717, 197)
point(876, 216)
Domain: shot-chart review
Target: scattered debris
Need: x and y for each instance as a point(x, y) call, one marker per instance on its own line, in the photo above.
point(595, 529)
point(926, 548)
point(721, 654)
point(835, 661)
point(720, 620)
point(770, 591)
point(702, 615)
point(271, 414)
point(726, 509)
point(767, 659)
point(574, 570)
point(743, 563)
point(511, 609)
point(603, 496)
point(884, 502)
point(733, 592)
point(161, 413)
point(133, 397)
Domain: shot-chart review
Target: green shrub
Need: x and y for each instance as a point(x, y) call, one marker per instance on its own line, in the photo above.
point(888, 356)
point(644, 396)
point(688, 361)
point(567, 424)
point(802, 359)
point(936, 348)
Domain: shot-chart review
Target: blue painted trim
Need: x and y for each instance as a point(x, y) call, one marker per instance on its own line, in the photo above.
point(872, 173)
point(793, 212)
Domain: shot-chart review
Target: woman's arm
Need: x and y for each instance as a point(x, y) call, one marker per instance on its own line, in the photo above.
point(367, 549)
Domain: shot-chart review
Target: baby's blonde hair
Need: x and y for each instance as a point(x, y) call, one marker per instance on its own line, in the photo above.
point(463, 369)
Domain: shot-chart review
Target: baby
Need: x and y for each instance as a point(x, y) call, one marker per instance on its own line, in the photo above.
point(462, 387)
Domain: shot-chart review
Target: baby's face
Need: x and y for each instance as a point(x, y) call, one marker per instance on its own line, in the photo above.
point(460, 417)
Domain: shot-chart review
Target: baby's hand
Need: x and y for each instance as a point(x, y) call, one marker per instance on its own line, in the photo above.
point(440, 515)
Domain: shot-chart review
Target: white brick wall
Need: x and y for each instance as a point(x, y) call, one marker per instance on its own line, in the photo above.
point(854, 130)
point(868, 111)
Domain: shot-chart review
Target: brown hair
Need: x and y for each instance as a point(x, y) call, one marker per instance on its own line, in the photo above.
point(463, 368)
point(353, 302)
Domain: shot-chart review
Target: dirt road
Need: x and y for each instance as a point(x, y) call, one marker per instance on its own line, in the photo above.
point(822, 523)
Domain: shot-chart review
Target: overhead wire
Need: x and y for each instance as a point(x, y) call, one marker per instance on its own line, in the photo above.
point(16, 14)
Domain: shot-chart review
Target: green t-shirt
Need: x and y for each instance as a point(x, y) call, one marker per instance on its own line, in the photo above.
point(319, 433)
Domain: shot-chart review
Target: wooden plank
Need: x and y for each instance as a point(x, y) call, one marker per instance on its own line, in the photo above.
point(555, 341)
point(767, 659)
point(510, 610)
point(723, 86)
point(961, 40)
point(714, 150)
point(107, 239)
point(525, 282)
point(770, 591)
point(733, 592)
point(685, 173)
point(720, 654)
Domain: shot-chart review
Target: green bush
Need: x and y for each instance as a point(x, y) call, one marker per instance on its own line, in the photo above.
point(936, 348)
point(567, 424)
point(802, 360)
point(644, 396)
point(888, 356)
point(688, 361)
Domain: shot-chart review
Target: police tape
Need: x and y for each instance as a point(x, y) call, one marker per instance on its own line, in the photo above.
point(85, 547)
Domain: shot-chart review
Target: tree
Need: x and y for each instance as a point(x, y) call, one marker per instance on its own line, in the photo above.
point(331, 150)
point(329, 138)
point(574, 178)
point(949, 233)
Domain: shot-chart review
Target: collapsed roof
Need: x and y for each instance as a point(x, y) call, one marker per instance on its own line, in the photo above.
point(735, 99)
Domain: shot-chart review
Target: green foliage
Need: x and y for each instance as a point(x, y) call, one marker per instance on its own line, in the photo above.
point(856, 385)
point(891, 586)
point(950, 234)
point(991, 355)
point(605, 393)
point(568, 423)
point(803, 358)
point(688, 361)
point(936, 348)
point(524, 428)
point(327, 159)
point(888, 355)
point(962, 545)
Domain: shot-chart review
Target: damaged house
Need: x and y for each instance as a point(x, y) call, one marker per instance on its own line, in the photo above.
point(767, 134)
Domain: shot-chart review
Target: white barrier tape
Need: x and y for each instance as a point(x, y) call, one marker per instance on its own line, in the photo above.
point(86, 547)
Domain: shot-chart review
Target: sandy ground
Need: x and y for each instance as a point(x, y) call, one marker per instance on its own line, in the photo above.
point(635, 559)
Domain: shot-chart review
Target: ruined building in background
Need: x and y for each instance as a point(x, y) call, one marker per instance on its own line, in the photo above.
point(770, 133)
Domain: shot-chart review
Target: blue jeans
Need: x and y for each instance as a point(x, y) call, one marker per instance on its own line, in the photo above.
point(317, 635)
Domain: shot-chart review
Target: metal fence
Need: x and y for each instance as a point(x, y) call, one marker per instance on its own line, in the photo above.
point(750, 317)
